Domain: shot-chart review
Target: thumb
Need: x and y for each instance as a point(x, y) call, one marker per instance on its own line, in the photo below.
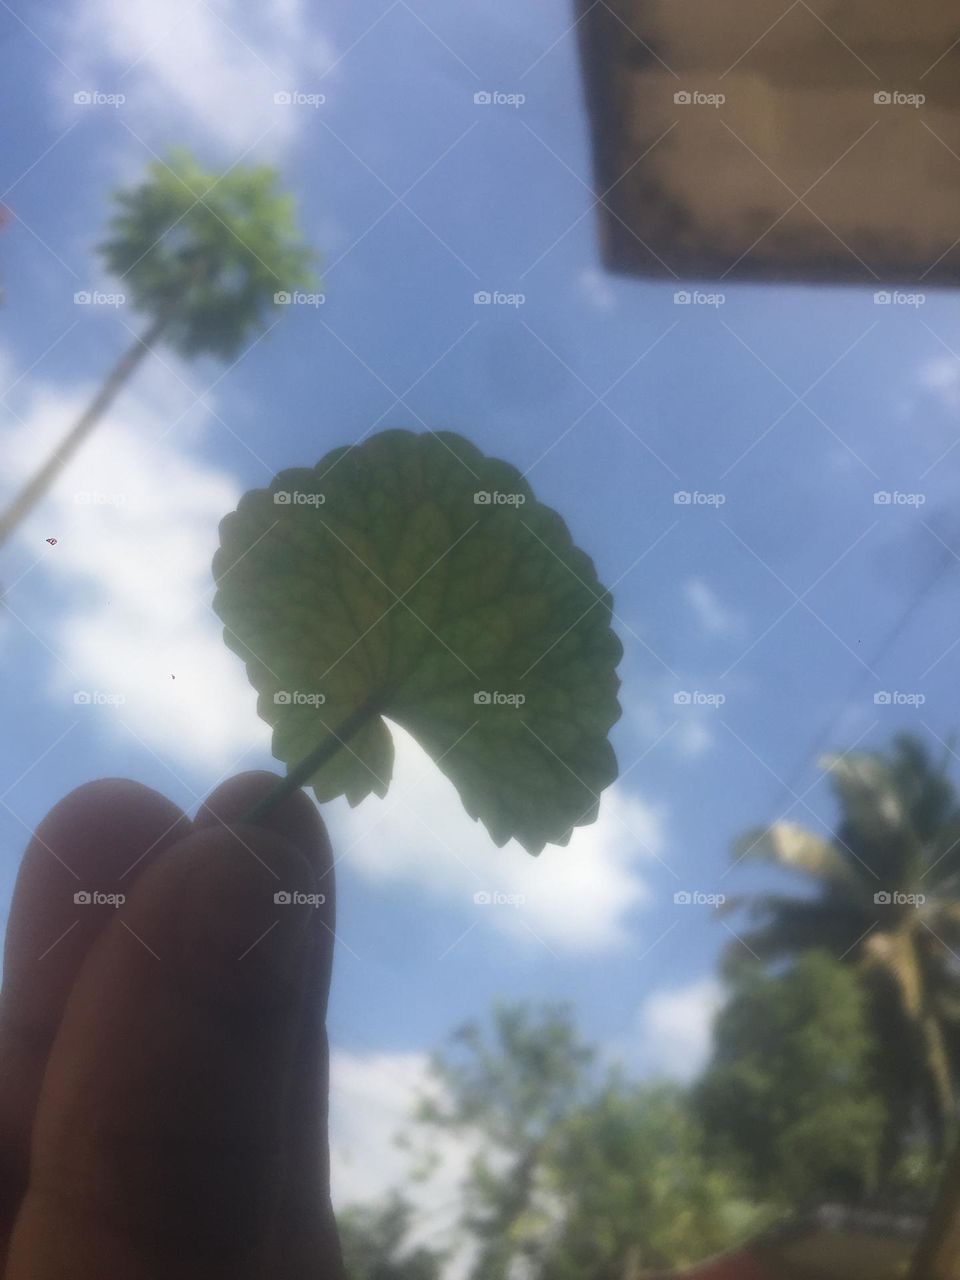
point(159, 1140)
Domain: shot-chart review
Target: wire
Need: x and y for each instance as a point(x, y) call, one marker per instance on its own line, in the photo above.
point(908, 613)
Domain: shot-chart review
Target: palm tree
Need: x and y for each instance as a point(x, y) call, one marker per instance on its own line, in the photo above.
point(202, 257)
point(886, 899)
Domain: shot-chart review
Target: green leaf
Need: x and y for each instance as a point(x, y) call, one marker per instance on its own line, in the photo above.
point(417, 577)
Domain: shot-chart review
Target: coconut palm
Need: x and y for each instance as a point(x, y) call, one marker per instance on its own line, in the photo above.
point(886, 899)
point(203, 257)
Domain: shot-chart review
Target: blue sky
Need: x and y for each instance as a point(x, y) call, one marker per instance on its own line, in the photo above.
point(795, 405)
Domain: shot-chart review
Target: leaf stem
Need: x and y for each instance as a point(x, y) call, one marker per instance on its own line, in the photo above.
point(300, 774)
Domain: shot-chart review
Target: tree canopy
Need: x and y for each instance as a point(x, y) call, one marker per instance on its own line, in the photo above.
point(207, 252)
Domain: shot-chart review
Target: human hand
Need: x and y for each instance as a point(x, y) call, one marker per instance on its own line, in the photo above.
point(163, 1063)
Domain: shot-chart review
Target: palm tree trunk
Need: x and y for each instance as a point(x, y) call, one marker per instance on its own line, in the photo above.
point(924, 1032)
point(35, 488)
point(938, 1254)
point(942, 1100)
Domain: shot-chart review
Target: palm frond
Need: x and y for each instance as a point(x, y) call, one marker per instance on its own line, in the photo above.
point(795, 848)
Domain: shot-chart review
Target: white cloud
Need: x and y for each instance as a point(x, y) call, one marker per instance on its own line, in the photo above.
point(662, 725)
point(713, 616)
point(596, 287)
point(577, 898)
point(673, 1029)
point(695, 738)
point(213, 68)
point(941, 376)
point(135, 515)
point(372, 1097)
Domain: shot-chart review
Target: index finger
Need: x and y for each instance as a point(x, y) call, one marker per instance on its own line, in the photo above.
point(97, 840)
point(160, 1139)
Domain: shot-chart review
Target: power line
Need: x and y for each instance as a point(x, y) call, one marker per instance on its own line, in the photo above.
point(910, 610)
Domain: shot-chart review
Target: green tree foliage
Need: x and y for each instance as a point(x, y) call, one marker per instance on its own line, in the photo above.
point(202, 256)
point(583, 1173)
point(577, 1174)
point(635, 1190)
point(791, 1095)
point(511, 1086)
point(208, 252)
point(374, 1244)
point(886, 898)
